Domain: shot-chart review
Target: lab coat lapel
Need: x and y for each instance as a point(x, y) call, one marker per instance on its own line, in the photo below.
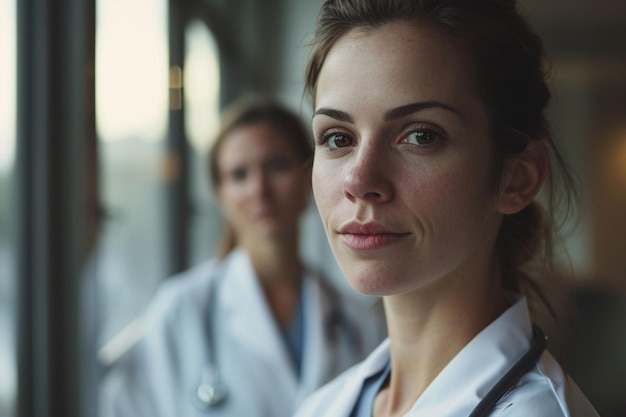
point(318, 348)
point(251, 321)
point(330, 346)
point(350, 390)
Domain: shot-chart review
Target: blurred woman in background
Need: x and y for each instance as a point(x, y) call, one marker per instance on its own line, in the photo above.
point(254, 331)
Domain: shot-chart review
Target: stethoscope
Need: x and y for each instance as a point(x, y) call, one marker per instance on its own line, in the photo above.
point(212, 391)
point(510, 379)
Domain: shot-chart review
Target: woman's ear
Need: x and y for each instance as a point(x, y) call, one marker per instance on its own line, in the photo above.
point(522, 177)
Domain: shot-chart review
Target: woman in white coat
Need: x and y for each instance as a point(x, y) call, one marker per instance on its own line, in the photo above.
point(431, 145)
point(255, 331)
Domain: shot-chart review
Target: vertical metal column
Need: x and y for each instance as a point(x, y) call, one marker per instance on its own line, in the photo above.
point(55, 129)
point(178, 199)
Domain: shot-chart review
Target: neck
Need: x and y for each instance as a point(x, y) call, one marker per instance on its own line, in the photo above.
point(428, 328)
point(279, 270)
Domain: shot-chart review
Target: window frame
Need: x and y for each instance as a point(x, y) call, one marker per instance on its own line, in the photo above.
point(55, 166)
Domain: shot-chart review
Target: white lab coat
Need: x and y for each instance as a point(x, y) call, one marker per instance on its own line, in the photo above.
point(543, 392)
point(160, 374)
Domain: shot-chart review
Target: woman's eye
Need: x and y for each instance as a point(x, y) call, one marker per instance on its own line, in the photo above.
point(238, 174)
point(278, 164)
point(423, 137)
point(336, 140)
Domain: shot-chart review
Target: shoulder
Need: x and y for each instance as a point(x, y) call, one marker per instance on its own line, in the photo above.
point(181, 292)
point(187, 282)
point(531, 398)
point(179, 302)
point(190, 286)
point(546, 391)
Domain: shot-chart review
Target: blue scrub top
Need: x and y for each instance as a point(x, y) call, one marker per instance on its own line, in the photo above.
point(365, 403)
point(294, 336)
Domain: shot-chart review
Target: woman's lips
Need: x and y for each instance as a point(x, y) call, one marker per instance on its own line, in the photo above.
point(362, 242)
point(265, 213)
point(369, 236)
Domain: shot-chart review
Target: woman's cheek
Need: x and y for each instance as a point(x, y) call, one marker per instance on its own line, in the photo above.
point(319, 192)
point(319, 179)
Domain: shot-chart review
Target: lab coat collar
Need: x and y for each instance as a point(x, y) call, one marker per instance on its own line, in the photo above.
point(255, 326)
point(467, 378)
point(348, 387)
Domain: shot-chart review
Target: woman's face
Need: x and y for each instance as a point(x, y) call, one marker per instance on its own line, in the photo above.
point(404, 163)
point(263, 185)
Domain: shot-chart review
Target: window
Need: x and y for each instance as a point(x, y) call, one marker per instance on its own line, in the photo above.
point(202, 81)
point(131, 117)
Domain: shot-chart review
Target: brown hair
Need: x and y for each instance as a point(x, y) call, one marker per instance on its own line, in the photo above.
point(248, 111)
point(509, 66)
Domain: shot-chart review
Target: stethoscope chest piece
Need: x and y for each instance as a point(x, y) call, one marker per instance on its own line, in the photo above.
point(211, 392)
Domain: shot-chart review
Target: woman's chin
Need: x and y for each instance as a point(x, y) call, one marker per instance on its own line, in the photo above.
point(370, 284)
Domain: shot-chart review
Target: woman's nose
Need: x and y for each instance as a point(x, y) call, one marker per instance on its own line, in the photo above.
point(259, 184)
point(367, 177)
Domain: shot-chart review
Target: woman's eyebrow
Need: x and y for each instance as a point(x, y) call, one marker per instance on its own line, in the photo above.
point(407, 109)
point(393, 114)
point(335, 114)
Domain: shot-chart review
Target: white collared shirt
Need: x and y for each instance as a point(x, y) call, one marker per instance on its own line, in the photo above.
point(545, 391)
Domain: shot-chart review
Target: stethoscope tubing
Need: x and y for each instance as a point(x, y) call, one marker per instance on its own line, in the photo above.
point(513, 375)
point(211, 391)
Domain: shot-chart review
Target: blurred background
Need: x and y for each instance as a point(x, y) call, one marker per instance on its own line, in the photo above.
point(107, 108)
